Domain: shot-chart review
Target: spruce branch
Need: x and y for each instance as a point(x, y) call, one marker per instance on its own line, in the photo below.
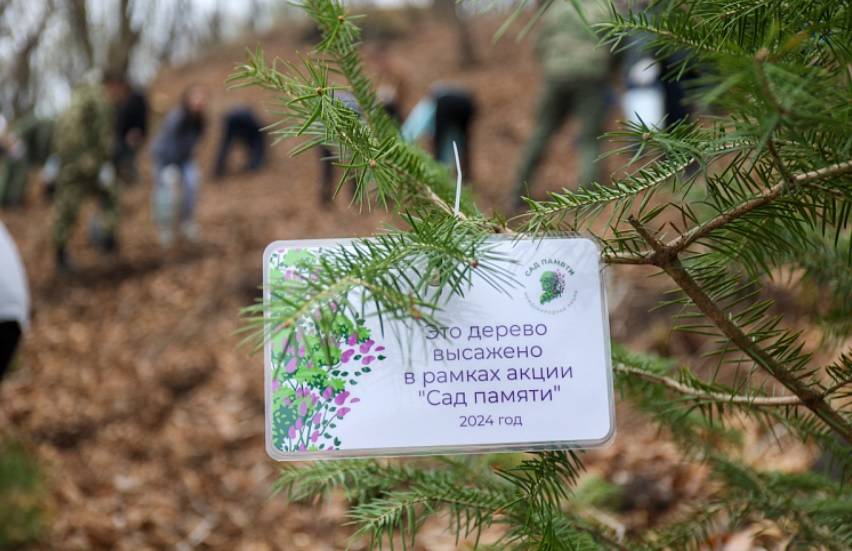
point(722, 397)
point(760, 59)
point(585, 202)
point(543, 479)
point(781, 115)
point(786, 176)
point(837, 386)
point(667, 259)
point(669, 33)
point(405, 274)
point(817, 506)
point(683, 241)
point(760, 200)
point(340, 38)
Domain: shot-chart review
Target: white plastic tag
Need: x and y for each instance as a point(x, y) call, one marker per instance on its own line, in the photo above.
point(523, 366)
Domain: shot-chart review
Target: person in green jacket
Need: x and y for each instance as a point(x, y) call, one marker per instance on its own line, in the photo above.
point(84, 141)
point(576, 72)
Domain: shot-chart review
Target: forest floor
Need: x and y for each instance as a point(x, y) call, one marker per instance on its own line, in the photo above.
point(146, 415)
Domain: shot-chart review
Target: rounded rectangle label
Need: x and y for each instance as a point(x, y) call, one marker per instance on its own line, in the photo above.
point(522, 366)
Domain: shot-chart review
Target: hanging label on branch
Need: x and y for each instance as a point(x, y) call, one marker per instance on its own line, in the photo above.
point(519, 366)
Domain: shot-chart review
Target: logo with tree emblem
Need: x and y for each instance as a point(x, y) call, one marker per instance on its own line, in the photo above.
point(547, 285)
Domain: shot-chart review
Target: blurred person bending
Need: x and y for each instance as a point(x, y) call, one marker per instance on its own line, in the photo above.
point(84, 140)
point(576, 79)
point(241, 125)
point(176, 175)
point(446, 114)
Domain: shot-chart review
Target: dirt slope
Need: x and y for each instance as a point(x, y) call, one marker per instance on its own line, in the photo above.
point(131, 386)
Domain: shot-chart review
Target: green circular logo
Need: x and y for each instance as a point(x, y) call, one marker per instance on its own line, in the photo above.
point(547, 285)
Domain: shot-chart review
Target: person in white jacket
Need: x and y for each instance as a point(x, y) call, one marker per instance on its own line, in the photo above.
point(14, 299)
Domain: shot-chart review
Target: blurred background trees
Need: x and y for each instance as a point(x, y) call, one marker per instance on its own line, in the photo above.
point(47, 47)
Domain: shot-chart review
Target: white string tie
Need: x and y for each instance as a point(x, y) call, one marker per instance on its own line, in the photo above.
point(458, 180)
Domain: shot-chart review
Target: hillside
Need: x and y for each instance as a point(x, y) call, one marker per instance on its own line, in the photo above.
point(147, 415)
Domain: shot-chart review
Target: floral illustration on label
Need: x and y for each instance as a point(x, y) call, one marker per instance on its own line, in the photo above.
point(552, 286)
point(313, 374)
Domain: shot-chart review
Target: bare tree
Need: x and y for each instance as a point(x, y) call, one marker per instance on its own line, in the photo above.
point(166, 47)
point(53, 43)
point(21, 70)
point(125, 41)
point(447, 10)
point(214, 25)
point(78, 20)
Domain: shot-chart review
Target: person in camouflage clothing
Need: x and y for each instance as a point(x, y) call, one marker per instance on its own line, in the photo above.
point(576, 77)
point(84, 141)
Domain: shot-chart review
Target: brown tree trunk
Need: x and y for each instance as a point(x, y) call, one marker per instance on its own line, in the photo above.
point(79, 21)
point(22, 70)
point(122, 46)
point(444, 9)
point(182, 12)
point(447, 10)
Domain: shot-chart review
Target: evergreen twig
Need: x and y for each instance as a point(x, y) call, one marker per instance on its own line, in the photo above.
point(667, 260)
point(722, 397)
point(763, 185)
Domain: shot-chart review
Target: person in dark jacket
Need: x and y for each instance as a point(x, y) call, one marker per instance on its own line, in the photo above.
point(446, 114)
point(240, 124)
point(131, 127)
point(176, 175)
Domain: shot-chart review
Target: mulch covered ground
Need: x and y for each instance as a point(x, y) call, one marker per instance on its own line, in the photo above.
point(132, 389)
